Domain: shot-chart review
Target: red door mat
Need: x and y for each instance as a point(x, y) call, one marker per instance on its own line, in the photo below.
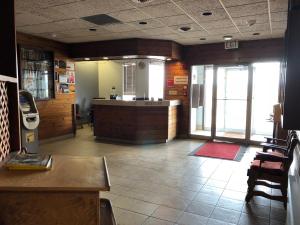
point(218, 150)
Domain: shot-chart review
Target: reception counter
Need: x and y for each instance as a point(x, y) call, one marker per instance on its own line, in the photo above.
point(137, 122)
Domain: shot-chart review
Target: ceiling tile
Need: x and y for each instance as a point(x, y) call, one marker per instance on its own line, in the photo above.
point(224, 31)
point(151, 23)
point(81, 33)
point(75, 24)
point(217, 24)
point(195, 34)
point(24, 19)
point(193, 26)
point(248, 10)
point(229, 3)
point(279, 5)
point(217, 14)
point(50, 3)
point(255, 28)
point(53, 14)
point(41, 28)
point(279, 25)
point(163, 17)
point(158, 31)
point(167, 9)
point(279, 16)
point(176, 20)
point(243, 21)
point(130, 15)
point(148, 3)
point(200, 5)
point(119, 27)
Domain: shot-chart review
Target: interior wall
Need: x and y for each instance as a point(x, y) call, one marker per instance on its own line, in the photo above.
point(179, 68)
point(110, 74)
point(56, 118)
point(86, 85)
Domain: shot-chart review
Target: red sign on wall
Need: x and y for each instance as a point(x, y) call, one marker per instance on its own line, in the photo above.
point(170, 82)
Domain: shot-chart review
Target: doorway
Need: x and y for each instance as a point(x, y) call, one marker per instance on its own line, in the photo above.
point(234, 102)
point(231, 101)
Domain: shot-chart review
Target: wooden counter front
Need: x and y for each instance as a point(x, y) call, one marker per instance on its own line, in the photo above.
point(135, 124)
point(66, 194)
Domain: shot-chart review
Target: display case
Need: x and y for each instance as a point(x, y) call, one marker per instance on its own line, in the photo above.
point(37, 72)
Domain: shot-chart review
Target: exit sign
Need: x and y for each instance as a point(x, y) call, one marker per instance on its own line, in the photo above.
point(231, 44)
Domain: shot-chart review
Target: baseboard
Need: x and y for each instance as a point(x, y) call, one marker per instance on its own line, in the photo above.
point(58, 138)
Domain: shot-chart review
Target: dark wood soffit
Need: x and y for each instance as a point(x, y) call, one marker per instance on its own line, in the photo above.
point(248, 51)
point(134, 46)
point(43, 43)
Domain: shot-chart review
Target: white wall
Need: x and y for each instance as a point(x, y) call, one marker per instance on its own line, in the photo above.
point(110, 74)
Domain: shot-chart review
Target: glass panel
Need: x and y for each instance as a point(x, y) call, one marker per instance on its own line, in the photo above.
point(37, 72)
point(265, 95)
point(232, 86)
point(156, 80)
point(202, 84)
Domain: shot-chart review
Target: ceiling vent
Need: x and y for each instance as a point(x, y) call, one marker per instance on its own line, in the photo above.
point(101, 19)
point(142, 1)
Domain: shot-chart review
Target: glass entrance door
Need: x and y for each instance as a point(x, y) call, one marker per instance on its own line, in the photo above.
point(234, 102)
point(231, 101)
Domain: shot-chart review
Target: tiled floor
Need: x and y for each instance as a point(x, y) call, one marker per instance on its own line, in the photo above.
point(161, 185)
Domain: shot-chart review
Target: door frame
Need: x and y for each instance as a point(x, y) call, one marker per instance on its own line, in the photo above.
point(213, 135)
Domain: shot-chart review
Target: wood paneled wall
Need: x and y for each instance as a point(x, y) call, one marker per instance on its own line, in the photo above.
point(248, 51)
point(179, 68)
point(134, 46)
point(55, 114)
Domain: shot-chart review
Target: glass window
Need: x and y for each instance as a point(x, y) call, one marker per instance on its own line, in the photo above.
point(37, 72)
point(129, 80)
point(156, 80)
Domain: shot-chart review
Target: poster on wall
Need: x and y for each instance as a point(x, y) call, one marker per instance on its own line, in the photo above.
point(181, 80)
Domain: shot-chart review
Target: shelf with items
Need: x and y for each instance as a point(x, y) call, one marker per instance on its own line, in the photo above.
point(65, 77)
point(37, 72)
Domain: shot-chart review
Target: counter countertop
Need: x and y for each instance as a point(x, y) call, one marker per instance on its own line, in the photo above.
point(138, 103)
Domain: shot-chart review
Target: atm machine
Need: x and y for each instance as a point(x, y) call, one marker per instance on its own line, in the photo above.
point(29, 122)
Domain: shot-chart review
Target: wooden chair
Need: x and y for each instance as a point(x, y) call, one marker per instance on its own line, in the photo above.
point(267, 168)
point(278, 145)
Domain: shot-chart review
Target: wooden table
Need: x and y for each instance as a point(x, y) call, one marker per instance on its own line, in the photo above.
point(68, 194)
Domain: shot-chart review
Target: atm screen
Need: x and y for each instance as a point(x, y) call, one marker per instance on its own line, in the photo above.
point(25, 104)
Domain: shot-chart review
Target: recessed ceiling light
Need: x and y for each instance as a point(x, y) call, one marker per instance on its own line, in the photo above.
point(93, 29)
point(202, 39)
point(143, 23)
point(227, 37)
point(207, 13)
point(105, 58)
point(185, 28)
point(255, 34)
point(168, 59)
point(86, 59)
